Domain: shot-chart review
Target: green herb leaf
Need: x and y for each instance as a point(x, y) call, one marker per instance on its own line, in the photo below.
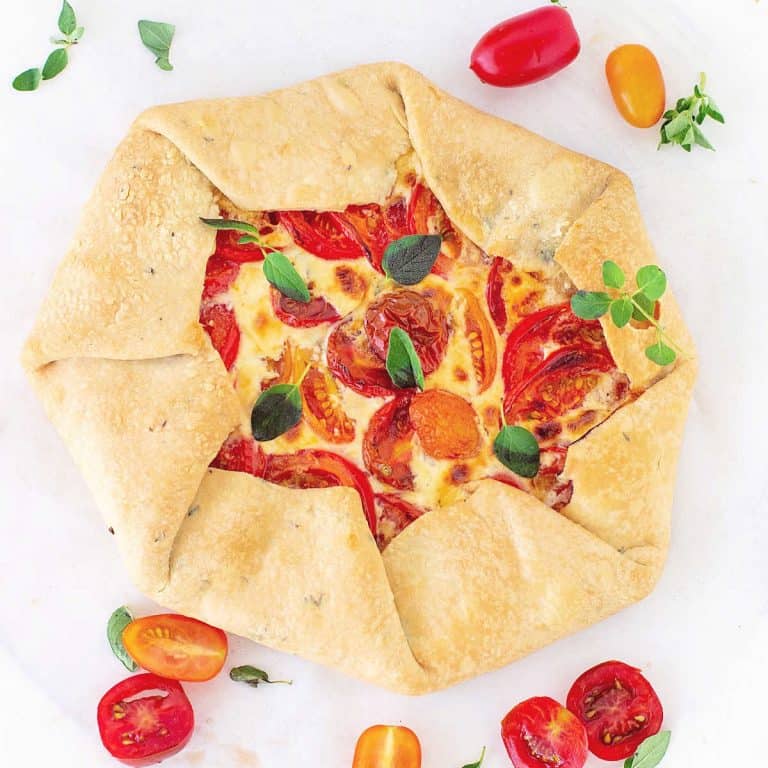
point(613, 275)
point(621, 311)
point(645, 304)
point(700, 138)
point(589, 305)
point(240, 226)
point(77, 34)
point(276, 411)
point(650, 752)
point(681, 124)
point(482, 754)
point(55, 63)
point(651, 281)
point(253, 676)
point(283, 275)
point(157, 36)
point(67, 21)
point(660, 353)
point(409, 259)
point(403, 364)
point(516, 448)
point(28, 80)
point(118, 621)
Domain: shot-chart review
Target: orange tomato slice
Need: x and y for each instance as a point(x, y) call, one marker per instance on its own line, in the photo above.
point(482, 343)
point(446, 424)
point(387, 746)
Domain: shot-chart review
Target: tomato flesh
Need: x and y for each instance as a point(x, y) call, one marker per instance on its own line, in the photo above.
point(618, 707)
point(637, 85)
point(220, 324)
point(526, 48)
point(219, 276)
point(377, 227)
point(144, 719)
point(388, 444)
point(177, 647)
point(241, 454)
point(394, 515)
point(426, 216)
point(228, 248)
point(299, 314)
point(322, 409)
point(540, 733)
point(387, 746)
point(328, 234)
point(481, 342)
point(445, 423)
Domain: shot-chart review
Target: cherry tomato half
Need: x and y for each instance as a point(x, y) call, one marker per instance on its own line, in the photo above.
point(387, 746)
point(539, 733)
point(482, 343)
point(177, 647)
point(637, 85)
point(300, 314)
point(327, 234)
point(618, 706)
point(377, 227)
point(220, 324)
point(388, 444)
point(144, 719)
point(446, 424)
point(322, 408)
point(526, 48)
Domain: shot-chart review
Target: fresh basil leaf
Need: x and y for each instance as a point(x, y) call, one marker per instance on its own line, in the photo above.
point(650, 753)
point(409, 259)
point(613, 275)
point(55, 63)
point(700, 138)
point(621, 311)
point(276, 411)
point(283, 275)
point(157, 36)
point(253, 676)
point(403, 364)
point(28, 80)
point(660, 353)
point(516, 448)
point(589, 305)
point(646, 305)
point(651, 281)
point(482, 754)
point(240, 226)
point(118, 621)
point(67, 21)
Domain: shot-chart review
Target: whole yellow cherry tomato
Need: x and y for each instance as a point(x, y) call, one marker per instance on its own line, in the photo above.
point(387, 746)
point(636, 84)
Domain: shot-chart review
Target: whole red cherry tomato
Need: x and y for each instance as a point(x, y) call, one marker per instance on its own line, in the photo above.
point(637, 85)
point(526, 48)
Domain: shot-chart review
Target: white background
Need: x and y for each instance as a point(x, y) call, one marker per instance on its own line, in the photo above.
point(701, 638)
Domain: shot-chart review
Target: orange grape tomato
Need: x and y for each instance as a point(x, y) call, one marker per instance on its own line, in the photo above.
point(637, 85)
point(387, 746)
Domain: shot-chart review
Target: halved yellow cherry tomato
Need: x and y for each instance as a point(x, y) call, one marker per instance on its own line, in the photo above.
point(176, 647)
point(387, 746)
point(637, 85)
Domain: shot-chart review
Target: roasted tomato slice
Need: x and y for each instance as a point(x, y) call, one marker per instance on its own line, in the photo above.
point(482, 342)
point(220, 324)
point(299, 314)
point(377, 227)
point(322, 407)
point(321, 469)
point(539, 733)
point(328, 235)
point(240, 454)
point(387, 746)
point(228, 248)
point(394, 515)
point(511, 290)
point(177, 647)
point(219, 276)
point(445, 423)
point(419, 315)
point(427, 217)
point(388, 444)
point(144, 719)
point(618, 706)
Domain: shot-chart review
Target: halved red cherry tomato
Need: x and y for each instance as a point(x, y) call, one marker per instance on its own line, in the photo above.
point(637, 85)
point(377, 227)
point(228, 247)
point(177, 647)
point(394, 515)
point(539, 733)
point(220, 324)
point(219, 276)
point(482, 342)
point(240, 454)
point(322, 409)
point(299, 314)
point(388, 444)
point(618, 706)
point(427, 217)
point(445, 423)
point(526, 48)
point(327, 234)
point(387, 746)
point(144, 719)
point(312, 468)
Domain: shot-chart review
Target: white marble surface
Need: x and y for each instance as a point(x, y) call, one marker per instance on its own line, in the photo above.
point(702, 636)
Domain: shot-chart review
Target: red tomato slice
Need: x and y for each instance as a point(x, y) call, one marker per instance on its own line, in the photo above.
point(494, 294)
point(321, 469)
point(299, 314)
point(240, 454)
point(322, 409)
point(387, 746)
point(219, 276)
point(539, 733)
point(445, 423)
point(394, 515)
point(427, 217)
point(388, 444)
point(481, 341)
point(144, 719)
point(177, 647)
point(228, 248)
point(377, 227)
point(618, 706)
point(220, 324)
point(325, 234)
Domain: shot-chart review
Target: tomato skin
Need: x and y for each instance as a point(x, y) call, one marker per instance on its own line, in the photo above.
point(148, 729)
point(637, 84)
point(228, 248)
point(540, 733)
point(219, 276)
point(377, 227)
point(622, 704)
point(220, 324)
point(299, 314)
point(526, 48)
point(482, 342)
point(326, 234)
point(425, 216)
point(388, 444)
point(241, 454)
point(494, 296)
point(445, 423)
point(176, 647)
point(394, 515)
point(387, 746)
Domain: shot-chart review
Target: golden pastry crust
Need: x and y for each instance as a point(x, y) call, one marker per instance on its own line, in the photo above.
point(132, 383)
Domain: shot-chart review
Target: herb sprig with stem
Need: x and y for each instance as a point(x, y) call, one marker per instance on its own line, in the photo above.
point(253, 676)
point(681, 124)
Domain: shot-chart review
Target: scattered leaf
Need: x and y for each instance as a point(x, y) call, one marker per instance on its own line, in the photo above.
point(517, 449)
point(650, 753)
point(253, 676)
point(157, 36)
point(651, 281)
point(276, 411)
point(55, 63)
point(621, 311)
point(283, 275)
point(118, 621)
point(660, 353)
point(590, 305)
point(409, 259)
point(403, 364)
point(28, 80)
point(613, 275)
point(479, 762)
point(67, 20)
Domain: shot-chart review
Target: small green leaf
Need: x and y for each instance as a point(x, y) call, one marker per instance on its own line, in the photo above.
point(651, 281)
point(118, 621)
point(677, 125)
point(403, 364)
point(589, 305)
point(621, 311)
point(700, 138)
point(77, 34)
point(253, 676)
point(248, 239)
point(28, 80)
point(660, 353)
point(240, 226)
point(67, 21)
point(283, 275)
point(482, 754)
point(613, 275)
point(650, 753)
point(714, 112)
point(276, 411)
point(409, 259)
point(516, 448)
point(157, 36)
point(55, 63)
point(646, 305)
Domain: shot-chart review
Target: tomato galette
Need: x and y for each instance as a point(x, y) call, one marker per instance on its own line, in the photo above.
point(328, 361)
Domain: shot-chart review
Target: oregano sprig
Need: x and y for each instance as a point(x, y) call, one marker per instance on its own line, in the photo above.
point(624, 306)
point(253, 676)
point(681, 124)
point(157, 37)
